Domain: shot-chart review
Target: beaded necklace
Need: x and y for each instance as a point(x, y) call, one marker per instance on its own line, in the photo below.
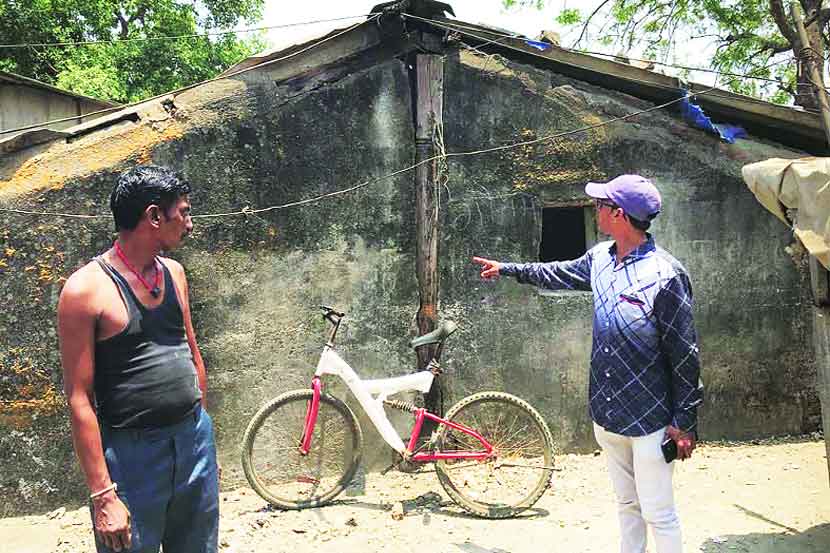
point(154, 290)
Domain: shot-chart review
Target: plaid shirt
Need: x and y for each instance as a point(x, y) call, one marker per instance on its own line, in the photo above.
point(645, 370)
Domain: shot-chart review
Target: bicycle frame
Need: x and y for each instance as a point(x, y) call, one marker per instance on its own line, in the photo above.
point(332, 364)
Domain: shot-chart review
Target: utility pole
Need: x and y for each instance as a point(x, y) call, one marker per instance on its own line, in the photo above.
point(818, 274)
point(810, 63)
point(429, 105)
point(819, 280)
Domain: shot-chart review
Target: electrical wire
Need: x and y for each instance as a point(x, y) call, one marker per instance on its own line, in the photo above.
point(445, 155)
point(684, 67)
point(175, 37)
point(249, 211)
point(664, 86)
point(456, 27)
point(188, 87)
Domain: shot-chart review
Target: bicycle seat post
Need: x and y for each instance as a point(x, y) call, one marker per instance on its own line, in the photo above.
point(434, 363)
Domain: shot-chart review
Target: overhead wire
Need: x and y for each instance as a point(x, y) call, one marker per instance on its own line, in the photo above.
point(194, 85)
point(457, 27)
point(716, 72)
point(628, 78)
point(443, 155)
point(175, 37)
point(249, 211)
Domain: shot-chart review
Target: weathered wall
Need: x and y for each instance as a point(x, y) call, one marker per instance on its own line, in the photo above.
point(821, 333)
point(256, 280)
point(752, 309)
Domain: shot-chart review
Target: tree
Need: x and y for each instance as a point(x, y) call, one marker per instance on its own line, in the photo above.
point(134, 68)
point(750, 36)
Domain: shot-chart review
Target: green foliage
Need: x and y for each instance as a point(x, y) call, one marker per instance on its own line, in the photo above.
point(131, 70)
point(569, 17)
point(747, 36)
point(513, 3)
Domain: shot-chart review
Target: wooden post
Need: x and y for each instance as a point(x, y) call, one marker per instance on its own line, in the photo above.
point(429, 75)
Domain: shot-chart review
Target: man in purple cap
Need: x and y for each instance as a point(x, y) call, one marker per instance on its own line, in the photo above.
point(645, 371)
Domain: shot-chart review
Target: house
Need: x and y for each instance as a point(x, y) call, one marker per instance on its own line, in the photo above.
point(338, 121)
point(25, 102)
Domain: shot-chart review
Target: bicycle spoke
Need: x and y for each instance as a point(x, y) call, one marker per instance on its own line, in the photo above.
point(535, 467)
point(273, 461)
point(520, 470)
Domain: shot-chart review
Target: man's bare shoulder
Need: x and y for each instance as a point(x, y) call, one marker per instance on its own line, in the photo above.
point(83, 286)
point(174, 266)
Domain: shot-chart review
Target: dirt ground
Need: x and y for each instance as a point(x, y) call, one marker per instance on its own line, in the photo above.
point(770, 496)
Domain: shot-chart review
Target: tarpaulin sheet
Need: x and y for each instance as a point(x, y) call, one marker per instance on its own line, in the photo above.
point(693, 113)
point(797, 191)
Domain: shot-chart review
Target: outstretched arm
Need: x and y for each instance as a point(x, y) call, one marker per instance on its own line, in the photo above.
point(555, 275)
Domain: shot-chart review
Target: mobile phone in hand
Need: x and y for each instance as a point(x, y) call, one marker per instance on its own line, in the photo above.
point(669, 448)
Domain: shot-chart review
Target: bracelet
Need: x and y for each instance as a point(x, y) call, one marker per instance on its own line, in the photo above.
point(99, 493)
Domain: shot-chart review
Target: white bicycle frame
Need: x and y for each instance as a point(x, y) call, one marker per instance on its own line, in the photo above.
point(332, 364)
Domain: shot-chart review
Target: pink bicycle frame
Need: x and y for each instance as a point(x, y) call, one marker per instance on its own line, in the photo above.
point(420, 415)
point(311, 415)
point(313, 410)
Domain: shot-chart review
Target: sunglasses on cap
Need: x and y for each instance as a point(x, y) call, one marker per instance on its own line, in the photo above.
point(600, 203)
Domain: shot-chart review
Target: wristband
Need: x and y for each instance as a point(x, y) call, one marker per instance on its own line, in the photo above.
point(99, 493)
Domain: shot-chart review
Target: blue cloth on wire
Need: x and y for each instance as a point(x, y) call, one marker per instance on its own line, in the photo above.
point(537, 44)
point(694, 115)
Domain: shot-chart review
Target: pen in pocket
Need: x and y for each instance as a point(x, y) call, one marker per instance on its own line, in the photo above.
point(632, 300)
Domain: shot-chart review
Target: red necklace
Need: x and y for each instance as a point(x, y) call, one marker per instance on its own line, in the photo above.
point(154, 290)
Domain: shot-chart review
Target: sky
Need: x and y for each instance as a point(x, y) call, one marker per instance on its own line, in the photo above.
point(527, 21)
point(490, 12)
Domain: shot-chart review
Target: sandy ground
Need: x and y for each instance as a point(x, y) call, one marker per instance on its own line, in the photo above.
point(766, 497)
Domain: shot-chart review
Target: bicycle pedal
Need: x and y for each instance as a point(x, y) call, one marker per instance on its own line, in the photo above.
point(387, 469)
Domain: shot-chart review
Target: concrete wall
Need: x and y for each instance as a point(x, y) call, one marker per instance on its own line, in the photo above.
point(256, 280)
point(752, 305)
point(821, 333)
point(22, 105)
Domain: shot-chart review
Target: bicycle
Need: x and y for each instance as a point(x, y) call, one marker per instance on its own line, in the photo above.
point(493, 452)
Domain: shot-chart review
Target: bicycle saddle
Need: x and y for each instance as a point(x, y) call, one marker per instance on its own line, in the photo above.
point(445, 328)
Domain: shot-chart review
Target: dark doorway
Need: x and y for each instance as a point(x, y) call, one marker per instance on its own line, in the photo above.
point(563, 233)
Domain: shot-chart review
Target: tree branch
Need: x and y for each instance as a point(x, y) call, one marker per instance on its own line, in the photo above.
point(766, 45)
point(139, 15)
point(124, 24)
point(588, 21)
point(816, 15)
point(666, 21)
point(777, 10)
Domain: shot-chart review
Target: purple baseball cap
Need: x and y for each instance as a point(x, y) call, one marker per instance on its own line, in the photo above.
point(636, 195)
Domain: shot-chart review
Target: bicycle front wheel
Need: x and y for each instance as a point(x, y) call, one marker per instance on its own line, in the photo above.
point(520, 470)
point(271, 456)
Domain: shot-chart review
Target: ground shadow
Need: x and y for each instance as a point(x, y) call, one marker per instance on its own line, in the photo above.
point(469, 547)
point(432, 503)
point(812, 540)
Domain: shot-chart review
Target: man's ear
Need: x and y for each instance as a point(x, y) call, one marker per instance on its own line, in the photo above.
point(154, 213)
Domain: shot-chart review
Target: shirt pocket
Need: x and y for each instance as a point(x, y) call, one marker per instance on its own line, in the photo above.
point(633, 310)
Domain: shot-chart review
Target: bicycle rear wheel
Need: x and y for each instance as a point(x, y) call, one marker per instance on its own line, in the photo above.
point(520, 471)
point(271, 456)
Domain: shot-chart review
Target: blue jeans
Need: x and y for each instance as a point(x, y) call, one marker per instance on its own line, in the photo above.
point(168, 479)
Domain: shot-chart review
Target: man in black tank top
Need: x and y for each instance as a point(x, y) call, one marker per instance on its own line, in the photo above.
point(135, 380)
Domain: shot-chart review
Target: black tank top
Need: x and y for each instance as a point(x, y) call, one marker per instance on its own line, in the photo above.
point(144, 375)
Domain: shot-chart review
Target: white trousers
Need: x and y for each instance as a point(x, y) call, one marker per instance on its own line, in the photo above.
point(643, 484)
